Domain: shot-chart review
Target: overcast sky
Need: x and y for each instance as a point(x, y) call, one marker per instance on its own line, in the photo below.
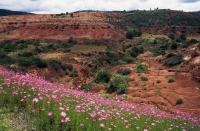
point(58, 6)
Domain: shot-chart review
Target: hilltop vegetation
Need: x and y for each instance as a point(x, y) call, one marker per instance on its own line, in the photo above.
point(162, 18)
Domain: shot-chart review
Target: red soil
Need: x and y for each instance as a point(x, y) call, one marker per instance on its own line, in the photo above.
point(163, 94)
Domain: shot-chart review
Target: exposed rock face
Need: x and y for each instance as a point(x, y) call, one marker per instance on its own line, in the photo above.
point(59, 27)
point(191, 57)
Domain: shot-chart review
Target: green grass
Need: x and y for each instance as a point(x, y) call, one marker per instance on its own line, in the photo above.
point(40, 120)
point(5, 119)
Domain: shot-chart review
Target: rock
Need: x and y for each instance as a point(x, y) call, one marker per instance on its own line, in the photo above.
point(196, 61)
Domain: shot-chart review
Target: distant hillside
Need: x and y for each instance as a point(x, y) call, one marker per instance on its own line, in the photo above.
point(162, 18)
point(4, 12)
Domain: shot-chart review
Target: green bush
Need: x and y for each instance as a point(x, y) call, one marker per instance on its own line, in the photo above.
point(172, 36)
point(171, 80)
point(126, 60)
point(179, 101)
point(68, 67)
point(158, 81)
point(103, 76)
point(72, 40)
point(133, 33)
point(174, 60)
point(6, 60)
point(87, 87)
point(32, 62)
point(135, 51)
point(55, 65)
point(124, 71)
point(174, 46)
point(141, 68)
point(143, 78)
point(118, 84)
point(74, 73)
point(26, 54)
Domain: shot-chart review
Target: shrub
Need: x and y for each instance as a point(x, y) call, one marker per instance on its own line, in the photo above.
point(72, 40)
point(143, 78)
point(118, 84)
point(171, 80)
point(174, 46)
point(6, 60)
point(68, 67)
point(172, 36)
point(124, 71)
point(32, 62)
point(103, 76)
point(179, 101)
point(183, 36)
point(174, 60)
point(87, 87)
point(25, 62)
point(74, 73)
point(133, 33)
point(26, 54)
point(141, 68)
point(135, 51)
point(126, 60)
point(39, 63)
point(158, 81)
point(193, 41)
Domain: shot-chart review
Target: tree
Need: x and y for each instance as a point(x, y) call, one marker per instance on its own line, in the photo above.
point(118, 84)
point(172, 36)
point(133, 33)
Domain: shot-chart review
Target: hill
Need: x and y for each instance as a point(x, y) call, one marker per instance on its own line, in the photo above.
point(4, 12)
point(162, 21)
point(97, 24)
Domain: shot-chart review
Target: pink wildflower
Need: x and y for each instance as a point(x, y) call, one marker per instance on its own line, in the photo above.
point(35, 100)
point(82, 125)
point(50, 114)
point(63, 114)
point(102, 125)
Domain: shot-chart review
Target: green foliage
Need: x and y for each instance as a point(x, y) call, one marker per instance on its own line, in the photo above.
point(171, 80)
point(158, 81)
point(172, 36)
point(103, 76)
point(133, 33)
point(143, 78)
point(161, 18)
point(179, 101)
point(141, 68)
point(174, 60)
point(174, 46)
point(126, 59)
point(12, 46)
point(74, 73)
point(118, 84)
point(125, 71)
point(68, 67)
point(87, 87)
point(26, 54)
point(36, 116)
point(72, 40)
point(6, 60)
point(32, 62)
point(135, 51)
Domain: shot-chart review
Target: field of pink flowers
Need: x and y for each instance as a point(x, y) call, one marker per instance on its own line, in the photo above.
point(56, 107)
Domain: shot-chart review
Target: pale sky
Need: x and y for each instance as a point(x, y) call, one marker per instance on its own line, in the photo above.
point(59, 6)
